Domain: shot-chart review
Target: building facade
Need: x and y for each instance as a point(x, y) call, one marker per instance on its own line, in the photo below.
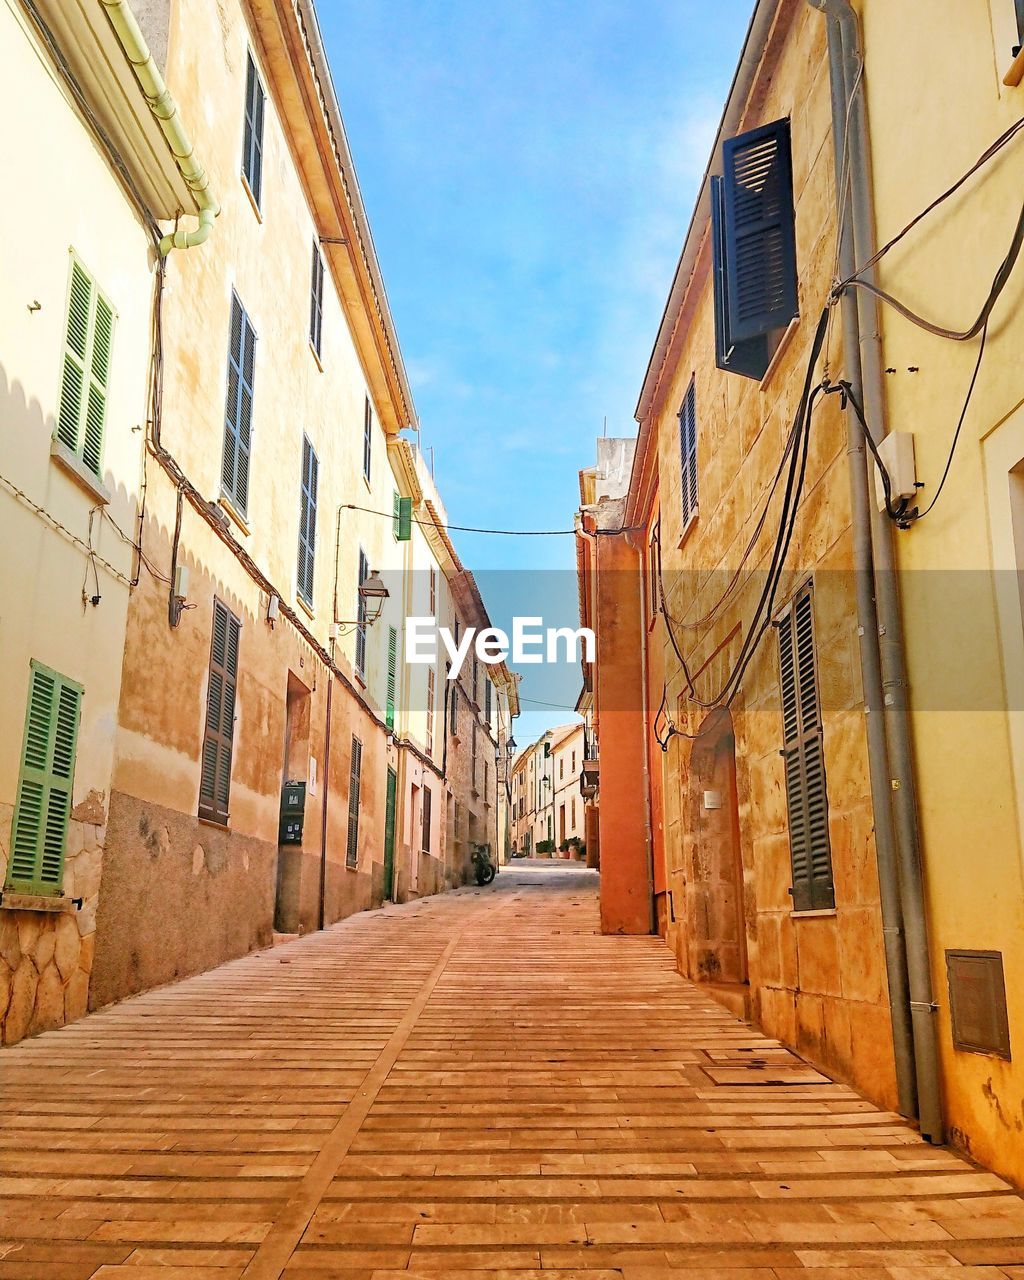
point(805, 776)
point(548, 806)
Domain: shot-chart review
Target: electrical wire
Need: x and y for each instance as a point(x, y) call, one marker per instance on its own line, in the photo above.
point(465, 528)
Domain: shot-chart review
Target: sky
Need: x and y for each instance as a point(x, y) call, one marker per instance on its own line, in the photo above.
point(529, 170)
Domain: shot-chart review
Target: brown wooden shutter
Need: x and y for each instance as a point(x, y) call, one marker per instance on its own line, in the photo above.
point(215, 773)
point(804, 756)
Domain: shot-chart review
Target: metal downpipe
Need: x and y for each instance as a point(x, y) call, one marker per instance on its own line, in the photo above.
point(867, 620)
point(902, 792)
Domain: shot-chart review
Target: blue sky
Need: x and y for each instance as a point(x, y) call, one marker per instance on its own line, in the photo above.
point(529, 171)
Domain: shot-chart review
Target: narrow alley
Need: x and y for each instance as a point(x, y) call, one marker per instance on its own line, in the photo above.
point(477, 1083)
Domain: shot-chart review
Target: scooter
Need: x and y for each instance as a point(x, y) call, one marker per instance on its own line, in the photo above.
point(483, 867)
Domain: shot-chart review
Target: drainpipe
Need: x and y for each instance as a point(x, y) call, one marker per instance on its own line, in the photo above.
point(322, 900)
point(885, 674)
point(645, 755)
point(165, 111)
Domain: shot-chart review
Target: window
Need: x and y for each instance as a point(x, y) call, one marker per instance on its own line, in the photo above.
point(234, 476)
point(392, 676)
point(252, 150)
point(215, 773)
point(653, 557)
point(42, 809)
point(574, 762)
point(402, 518)
point(364, 573)
point(561, 768)
point(307, 521)
point(487, 778)
point(367, 439)
point(316, 300)
point(454, 696)
point(432, 592)
point(82, 406)
point(427, 805)
point(754, 248)
point(355, 778)
point(574, 813)
point(473, 760)
point(803, 753)
point(476, 678)
point(688, 452)
point(488, 695)
point(431, 694)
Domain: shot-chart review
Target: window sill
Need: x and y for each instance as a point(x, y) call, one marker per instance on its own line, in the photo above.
point(316, 356)
point(366, 481)
point(212, 822)
point(823, 914)
point(691, 521)
point(11, 900)
point(73, 466)
point(252, 199)
point(779, 352)
point(1015, 74)
point(236, 516)
point(352, 866)
point(307, 609)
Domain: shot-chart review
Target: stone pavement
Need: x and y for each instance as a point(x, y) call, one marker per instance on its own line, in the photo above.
point(473, 1085)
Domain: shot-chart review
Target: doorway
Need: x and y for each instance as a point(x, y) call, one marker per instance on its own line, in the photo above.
point(390, 810)
point(716, 927)
point(295, 768)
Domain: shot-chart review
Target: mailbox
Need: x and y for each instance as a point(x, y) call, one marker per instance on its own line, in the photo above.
point(293, 811)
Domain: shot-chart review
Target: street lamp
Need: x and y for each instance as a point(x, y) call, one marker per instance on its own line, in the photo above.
point(372, 594)
point(510, 746)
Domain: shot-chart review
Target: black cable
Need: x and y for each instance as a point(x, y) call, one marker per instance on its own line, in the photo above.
point(465, 528)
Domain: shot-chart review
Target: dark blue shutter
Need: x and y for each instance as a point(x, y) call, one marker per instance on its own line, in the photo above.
point(252, 152)
point(688, 451)
point(749, 358)
point(354, 785)
point(218, 740)
point(307, 521)
point(761, 284)
point(238, 416)
point(803, 753)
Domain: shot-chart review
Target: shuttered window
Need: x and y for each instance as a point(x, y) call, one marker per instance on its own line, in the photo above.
point(307, 521)
point(42, 808)
point(234, 476)
point(488, 695)
point(402, 518)
point(252, 150)
point(432, 589)
point(392, 676)
point(454, 696)
point(688, 451)
point(316, 300)
point(215, 775)
point(364, 573)
point(431, 695)
point(473, 760)
point(367, 439)
point(803, 753)
point(354, 783)
point(428, 797)
point(754, 248)
point(85, 374)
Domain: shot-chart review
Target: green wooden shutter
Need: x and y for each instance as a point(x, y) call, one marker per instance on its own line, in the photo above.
point(354, 783)
point(367, 439)
point(428, 798)
point(82, 405)
point(252, 150)
point(396, 514)
point(238, 414)
point(307, 522)
point(803, 753)
point(43, 806)
point(405, 520)
point(215, 772)
point(392, 676)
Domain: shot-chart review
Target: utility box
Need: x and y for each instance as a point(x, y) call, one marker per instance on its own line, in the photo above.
point(293, 813)
point(897, 454)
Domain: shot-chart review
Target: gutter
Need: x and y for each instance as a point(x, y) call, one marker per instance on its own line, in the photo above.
point(165, 111)
point(862, 345)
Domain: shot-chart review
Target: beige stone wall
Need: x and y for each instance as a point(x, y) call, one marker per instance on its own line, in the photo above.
point(816, 981)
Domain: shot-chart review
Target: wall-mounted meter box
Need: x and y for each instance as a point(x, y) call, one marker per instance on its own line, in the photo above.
point(293, 812)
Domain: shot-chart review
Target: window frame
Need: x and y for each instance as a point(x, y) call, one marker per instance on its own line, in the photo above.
point(254, 121)
point(689, 479)
point(316, 301)
point(239, 383)
point(362, 573)
point(309, 484)
point(85, 437)
point(355, 782)
point(367, 440)
point(210, 808)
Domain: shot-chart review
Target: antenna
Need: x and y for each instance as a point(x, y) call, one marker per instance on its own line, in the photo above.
point(605, 432)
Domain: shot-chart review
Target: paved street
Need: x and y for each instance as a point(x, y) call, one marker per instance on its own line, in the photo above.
point(474, 1083)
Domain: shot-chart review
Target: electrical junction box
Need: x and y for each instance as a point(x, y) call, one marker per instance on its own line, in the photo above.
point(897, 454)
point(712, 799)
point(293, 813)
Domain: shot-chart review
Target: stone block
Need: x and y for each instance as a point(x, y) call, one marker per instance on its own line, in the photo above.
point(88, 951)
point(10, 941)
point(49, 1005)
point(67, 947)
point(5, 989)
point(42, 952)
point(818, 955)
point(873, 1064)
point(76, 996)
point(29, 929)
point(862, 955)
point(23, 997)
